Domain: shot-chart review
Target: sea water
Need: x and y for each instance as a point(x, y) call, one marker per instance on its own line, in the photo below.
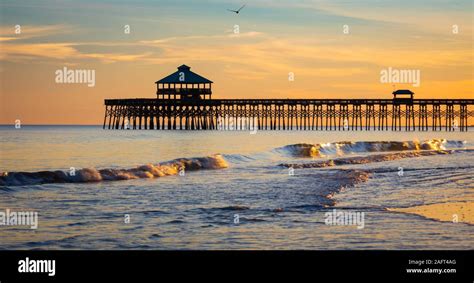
point(151, 189)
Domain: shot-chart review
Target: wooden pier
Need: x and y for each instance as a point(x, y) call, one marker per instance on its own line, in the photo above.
point(290, 114)
point(184, 102)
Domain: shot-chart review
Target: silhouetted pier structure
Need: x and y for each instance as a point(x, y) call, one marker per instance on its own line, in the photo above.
point(184, 103)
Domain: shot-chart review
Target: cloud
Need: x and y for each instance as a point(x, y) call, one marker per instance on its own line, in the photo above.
point(29, 31)
point(61, 51)
point(414, 14)
point(5, 38)
point(175, 39)
point(305, 56)
point(252, 54)
point(114, 57)
point(45, 50)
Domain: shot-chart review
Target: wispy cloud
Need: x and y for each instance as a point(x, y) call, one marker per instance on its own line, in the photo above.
point(428, 16)
point(253, 49)
point(228, 34)
point(44, 50)
point(29, 31)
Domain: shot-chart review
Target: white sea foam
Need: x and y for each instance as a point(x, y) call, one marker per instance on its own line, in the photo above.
point(96, 175)
point(345, 147)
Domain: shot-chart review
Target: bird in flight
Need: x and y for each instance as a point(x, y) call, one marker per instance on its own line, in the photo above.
point(237, 11)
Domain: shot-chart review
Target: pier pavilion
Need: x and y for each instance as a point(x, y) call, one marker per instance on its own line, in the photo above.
point(184, 85)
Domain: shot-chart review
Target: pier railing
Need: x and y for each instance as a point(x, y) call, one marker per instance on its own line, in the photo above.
point(290, 114)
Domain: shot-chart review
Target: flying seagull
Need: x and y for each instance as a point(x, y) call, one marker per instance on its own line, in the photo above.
point(237, 11)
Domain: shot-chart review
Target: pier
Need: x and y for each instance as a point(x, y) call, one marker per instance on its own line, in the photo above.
point(184, 103)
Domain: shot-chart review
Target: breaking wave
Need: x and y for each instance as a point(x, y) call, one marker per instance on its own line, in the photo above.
point(172, 167)
point(394, 150)
point(345, 147)
point(368, 159)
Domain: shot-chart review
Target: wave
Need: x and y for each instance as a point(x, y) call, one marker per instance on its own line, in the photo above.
point(346, 147)
point(238, 158)
point(368, 159)
point(224, 208)
point(172, 167)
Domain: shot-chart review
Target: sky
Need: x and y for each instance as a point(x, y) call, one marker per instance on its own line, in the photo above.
point(333, 48)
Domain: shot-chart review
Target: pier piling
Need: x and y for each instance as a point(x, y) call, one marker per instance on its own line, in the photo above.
point(289, 114)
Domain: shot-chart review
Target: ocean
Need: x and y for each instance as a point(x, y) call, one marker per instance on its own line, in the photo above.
point(149, 189)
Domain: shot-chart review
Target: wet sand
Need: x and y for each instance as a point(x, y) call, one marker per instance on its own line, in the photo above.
point(443, 211)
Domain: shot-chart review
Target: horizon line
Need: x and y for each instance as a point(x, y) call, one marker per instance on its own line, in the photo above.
point(13, 125)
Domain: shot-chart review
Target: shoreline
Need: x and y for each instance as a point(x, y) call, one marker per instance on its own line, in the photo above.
point(455, 212)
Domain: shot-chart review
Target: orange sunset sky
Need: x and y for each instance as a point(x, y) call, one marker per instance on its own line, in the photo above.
point(275, 38)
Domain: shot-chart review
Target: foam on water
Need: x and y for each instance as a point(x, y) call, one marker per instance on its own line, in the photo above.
point(406, 149)
point(346, 147)
point(369, 158)
point(276, 210)
point(96, 175)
